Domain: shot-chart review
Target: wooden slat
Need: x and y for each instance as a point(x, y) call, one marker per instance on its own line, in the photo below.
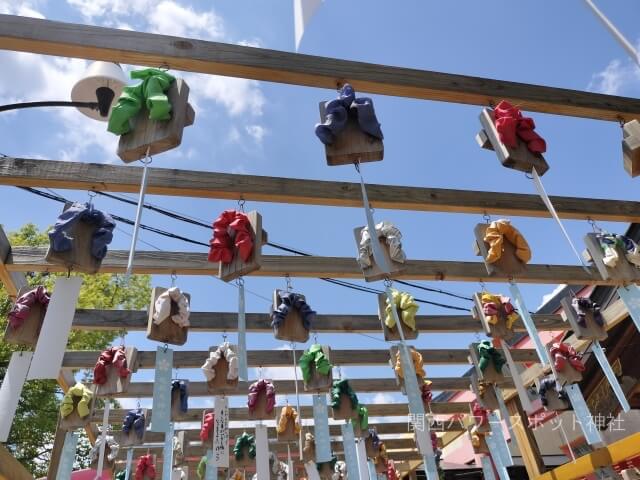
point(241, 414)
point(189, 183)
point(135, 48)
point(199, 389)
point(133, 320)
point(10, 468)
point(282, 358)
point(32, 259)
point(12, 281)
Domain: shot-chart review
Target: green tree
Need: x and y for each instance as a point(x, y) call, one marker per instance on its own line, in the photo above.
point(34, 425)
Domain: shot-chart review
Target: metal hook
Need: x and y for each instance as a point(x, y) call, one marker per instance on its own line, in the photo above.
point(174, 277)
point(356, 163)
point(388, 282)
point(594, 225)
point(147, 158)
point(259, 372)
point(483, 287)
point(69, 272)
point(240, 281)
point(486, 217)
point(288, 280)
point(166, 347)
point(92, 195)
point(528, 175)
point(224, 337)
point(241, 202)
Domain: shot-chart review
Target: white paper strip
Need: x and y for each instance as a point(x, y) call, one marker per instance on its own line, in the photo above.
point(52, 341)
point(167, 454)
point(362, 459)
point(103, 437)
point(262, 452)
point(67, 457)
point(221, 433)
point(312, 471)
point(11, 390)
point(372, 470)
point(212, 470)
point(303, 10)
point(583, 416)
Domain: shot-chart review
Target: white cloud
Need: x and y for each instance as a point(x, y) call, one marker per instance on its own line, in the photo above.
point(171, 18)
point(24, 9)
point(239, 96)
point(380, 398)
point(617, 77)
point(257, 132)
point(279, 373)
point(549, 296)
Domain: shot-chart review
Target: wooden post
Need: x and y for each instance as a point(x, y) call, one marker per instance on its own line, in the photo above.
point(529, 450)
point(58, 443)
point(12, 281)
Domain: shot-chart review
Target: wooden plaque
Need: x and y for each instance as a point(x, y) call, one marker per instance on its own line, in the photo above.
point(380, 465)
point(177, 415)
point(260, 412)
point(292, 329)
point(374, 273)
point(631, 147)
point(624, 271)
point(568, 375)
point(519, 158)
point(220, 385)
point(488, 399)
point(158, 136)
point(79, 258)
point(320, 383)
point(352, 144)
point(237, 268)
point(345, 411)
point(490, 374)
point(73, 420)
point(498, 330)
point(590, 331)
point(27, 333)
point(508, 264)
point(130, 439)
point(392, 334)
point(168, 331)
point(483, 448)
point(289, 435)
point(325, 470)
point(115, 384)
point(369, 448)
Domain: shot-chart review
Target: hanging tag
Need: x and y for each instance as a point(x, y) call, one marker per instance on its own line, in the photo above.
point(373, 475)
point(211, 470)
point(502, 407)
point(630, 296)
point(243, 373)
point(501, 443)
point(161, 413)
point(11, 390)
point(68, 456)
point(610, 374)
point(378, 256)
point(581, 411)
point(103, 438)
point(52, 341)
point(167, 454)
point(528, 323)
point(312, 471)
point(127, 468)
point(350, 453)
point(321, 428)
point(262, 451)
point(362, 460)
point(487, 468)
point(517, 381)
point(547, 201)
point(221, 433)
point(497, 458)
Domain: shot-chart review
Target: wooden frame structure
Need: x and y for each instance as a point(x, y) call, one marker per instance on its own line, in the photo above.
point(88, 42)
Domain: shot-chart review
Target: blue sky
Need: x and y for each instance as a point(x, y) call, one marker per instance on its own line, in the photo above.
point(244, 126)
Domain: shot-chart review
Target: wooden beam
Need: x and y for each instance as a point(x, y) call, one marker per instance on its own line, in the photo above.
point(10, 468)
point(134, 320)
point(136, 48)
point(32, 259)
point(525, 438)
point(12, 281)
point(56, 452)
point(602, 457)
point(75, 360)
point(190, 183)
point(241, 414)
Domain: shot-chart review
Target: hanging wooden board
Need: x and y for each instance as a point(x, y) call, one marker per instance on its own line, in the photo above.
point(380, 465)
point(345, 411)
point(488, 399)
point(624, 271)
point(221, 385)
point(177, 414)
point(352, 144)
point(326, 472)
point(392, 334)
point(520, 158)
point(237, 267)
point(168, 331)
point(393, 352)
point(27, 333)
point(78, 258)
point(73, 420)
point(591, 329)
point(490, 374)
point(374, 273)
point(260, 411)
point(497, 330)
point(320, 383)
point(116, 384)
point(158, 136)
point(372, 452)
point(568, 375)
point(291, 329)
point(631, 147)
point(131, 438)
point(508, 265)
point(289, 435)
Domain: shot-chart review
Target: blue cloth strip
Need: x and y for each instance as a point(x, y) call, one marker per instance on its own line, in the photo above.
point(167, 454)
point(243, 373)
point(127, 471)
point(497, 458)
point(372, 470)
point(581, 411)
point(501, 442)
point(378, 256)
point(350, 453)
point(68, 456)
point(211, 470)
point(610, 374)
point(161, 416)
point(321, 429)
point(528, 323)
point(487, 468)
point(630, 296)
